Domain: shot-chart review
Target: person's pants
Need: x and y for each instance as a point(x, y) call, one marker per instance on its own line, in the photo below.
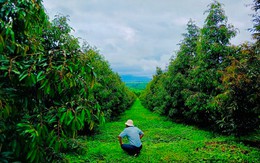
point(130, 149)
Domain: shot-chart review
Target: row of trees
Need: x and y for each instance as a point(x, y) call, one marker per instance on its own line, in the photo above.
point(210, 82)
point(50, 87)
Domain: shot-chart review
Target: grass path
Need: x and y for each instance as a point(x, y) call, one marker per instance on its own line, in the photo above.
point(164, 141)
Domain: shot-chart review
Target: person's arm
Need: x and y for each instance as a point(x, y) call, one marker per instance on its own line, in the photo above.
point(120, 140)
point(141, 136)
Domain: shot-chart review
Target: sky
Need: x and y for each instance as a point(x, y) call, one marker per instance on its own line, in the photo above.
point(136, 36)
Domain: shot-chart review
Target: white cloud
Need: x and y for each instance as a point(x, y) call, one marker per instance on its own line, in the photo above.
point(181, 21)
point(135, 36)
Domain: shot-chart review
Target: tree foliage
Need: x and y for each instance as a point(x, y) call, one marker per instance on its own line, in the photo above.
point(256, 21)
point(46, 85)
point(239, 102)
point(154, 93)
point(210, 82)
point(109, 90)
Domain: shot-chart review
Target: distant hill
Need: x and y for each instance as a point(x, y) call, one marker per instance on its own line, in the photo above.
point(132, 78)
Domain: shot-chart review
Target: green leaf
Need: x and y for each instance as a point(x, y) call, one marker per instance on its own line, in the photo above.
point(12, 35)
point(73, 124)
point(48, 89)
point(23, 75)
point(33, 77)
point(88, 114)
point(44, 84)
point(52, 120)
point(64, 144)
point(63, 117)
point(82, 116)
point(70, 116)
point(16, 72)
point(78, 124)
point(54, 138)
point(91, 125)
point(30, 153)
point(57, 146)
point(4, 68)
point(39, 75)
point(33, 155)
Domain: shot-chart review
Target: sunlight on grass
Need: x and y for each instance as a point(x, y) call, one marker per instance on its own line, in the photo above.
point(164, 141)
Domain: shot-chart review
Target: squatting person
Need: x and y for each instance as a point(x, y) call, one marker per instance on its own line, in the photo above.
point(134, 136)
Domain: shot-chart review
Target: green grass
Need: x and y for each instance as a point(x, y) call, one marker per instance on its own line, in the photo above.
point(164, 141)
point(136, 85)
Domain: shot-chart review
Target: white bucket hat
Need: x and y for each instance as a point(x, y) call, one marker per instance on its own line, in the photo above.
point(129, 122)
